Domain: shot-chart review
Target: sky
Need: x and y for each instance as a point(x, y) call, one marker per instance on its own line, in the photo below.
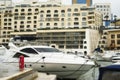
point(115, 9)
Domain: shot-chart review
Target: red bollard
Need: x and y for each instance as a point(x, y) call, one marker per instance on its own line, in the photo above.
point(21, 63)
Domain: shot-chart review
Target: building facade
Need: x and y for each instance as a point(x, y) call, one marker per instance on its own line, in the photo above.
point(70, 40)
point(88, 2)
point(32, 19)
point(105, 9)
point(110, 39)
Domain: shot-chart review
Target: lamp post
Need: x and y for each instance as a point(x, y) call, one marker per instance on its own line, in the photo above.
point(115, 20)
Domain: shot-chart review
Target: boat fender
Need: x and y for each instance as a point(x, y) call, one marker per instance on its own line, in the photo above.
point(21, 63)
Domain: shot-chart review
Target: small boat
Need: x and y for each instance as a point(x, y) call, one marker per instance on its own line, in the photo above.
point(49, 60)
point(111, 72)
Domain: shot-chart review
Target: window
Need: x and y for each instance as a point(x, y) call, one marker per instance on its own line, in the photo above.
point(56, 11)
point(62, 15)
point(48, 24)
point(28, 26)
point(76, 19)
point(42, 11)
point(69, 14)
point(16, 10)
point(69, 24)
point(35, 22)
point(84, 23)
point(15, 22)
point(41, 15)
point(36, 9)
point(83, 19)
point(85, 47)
point(69, 10)
point(112, 36)
point(48, 11)
point(48, 15)
point(17, 55)
point(29, 9)
point(55, 24)
point(5, 19)
point(118, 42)
point(76, 23)
point(22, 10)
point(47, 50)
point(62, 24)
point(85, 42)
point(29, 17)
point(35, 17)
point(41, 24)
point(103, 42)
point(55, 15)
point(62, 11)
point(29, 50)
point(118, 35)
point(75, 9)
point(22, 22)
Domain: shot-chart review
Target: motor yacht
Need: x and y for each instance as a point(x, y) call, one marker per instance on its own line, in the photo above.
point(49, 60)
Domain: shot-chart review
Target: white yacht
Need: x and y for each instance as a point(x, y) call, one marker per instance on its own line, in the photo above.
point(50, 60)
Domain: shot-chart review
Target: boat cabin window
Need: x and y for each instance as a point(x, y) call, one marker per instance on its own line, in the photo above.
point(47, 50)
point(29, 50)
point(17, 55)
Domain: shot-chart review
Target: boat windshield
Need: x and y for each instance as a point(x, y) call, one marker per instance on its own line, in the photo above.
point(47, 50)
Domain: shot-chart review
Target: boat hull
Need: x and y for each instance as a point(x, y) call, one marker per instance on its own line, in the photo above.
point(60, 69)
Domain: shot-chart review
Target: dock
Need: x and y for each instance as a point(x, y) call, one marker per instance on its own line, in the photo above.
point(10, 72)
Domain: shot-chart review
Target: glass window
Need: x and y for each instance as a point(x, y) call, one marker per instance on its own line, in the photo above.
point(16, 10)
point(118, 41)
point(118, 35)
point(36, 9)
point(84, 13)
point(69, 10)
point(17, 55)
point(69, 14)
point(47, 50)
point(48, 11)
point(62, 11)
point(47, 24)
point(41, 24)
point(55, 24)
point(42, 11)
point(112, 36)
point(22, 10)
point(29, 9)
point(84, 23)
point(29, 50)
point(76, 19)
point(75, 9)
point(56, 11)
point(83, 19)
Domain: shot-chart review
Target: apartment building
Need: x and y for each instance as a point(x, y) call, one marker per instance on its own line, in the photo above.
point(38, 19)
point(105, 9)
point(110, 39)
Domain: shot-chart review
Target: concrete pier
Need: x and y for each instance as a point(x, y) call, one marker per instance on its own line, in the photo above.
point(10, 72)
